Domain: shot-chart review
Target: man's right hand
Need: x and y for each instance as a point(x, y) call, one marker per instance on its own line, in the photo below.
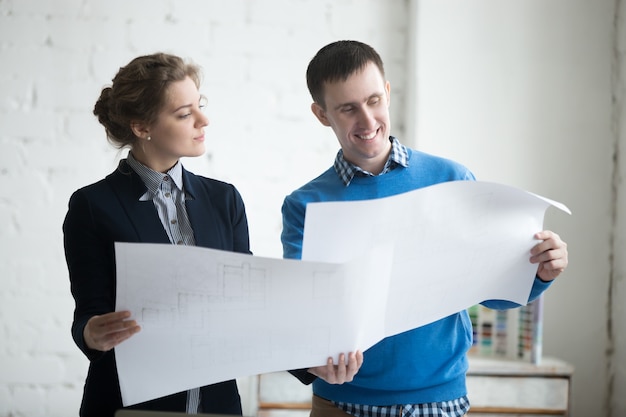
point(342, 372)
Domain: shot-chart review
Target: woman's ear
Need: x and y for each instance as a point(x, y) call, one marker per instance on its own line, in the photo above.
point(140, 129)
point(320, 113)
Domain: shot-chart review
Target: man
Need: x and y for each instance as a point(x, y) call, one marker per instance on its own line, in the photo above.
point(420, 372)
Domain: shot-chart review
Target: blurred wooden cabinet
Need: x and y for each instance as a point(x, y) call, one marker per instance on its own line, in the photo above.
point(281, 395)
point(496, 388)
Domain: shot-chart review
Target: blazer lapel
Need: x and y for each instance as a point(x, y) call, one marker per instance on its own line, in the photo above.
point(200, 211)
point(142, 214)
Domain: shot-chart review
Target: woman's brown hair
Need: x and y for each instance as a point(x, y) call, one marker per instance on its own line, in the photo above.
point(138, 93)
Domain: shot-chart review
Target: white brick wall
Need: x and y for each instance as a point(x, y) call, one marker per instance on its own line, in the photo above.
point(55, 56)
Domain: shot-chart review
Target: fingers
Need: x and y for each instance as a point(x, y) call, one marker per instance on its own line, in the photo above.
point(358, 359)
point(325, 372)
point(330, 374)
point(551, 255)
point(550, 248)
point(109, 330)
point(355, 360)
point(340, 375)
point(343, 372)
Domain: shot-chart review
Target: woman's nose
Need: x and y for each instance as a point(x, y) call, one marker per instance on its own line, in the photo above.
point(202, 119)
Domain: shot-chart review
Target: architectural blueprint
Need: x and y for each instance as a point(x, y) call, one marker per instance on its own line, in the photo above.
point(209, 316)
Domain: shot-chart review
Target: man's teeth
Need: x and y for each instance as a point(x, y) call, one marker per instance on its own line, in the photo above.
point(368, 137)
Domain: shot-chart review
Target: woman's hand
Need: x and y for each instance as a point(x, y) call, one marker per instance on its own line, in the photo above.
point(109, 330)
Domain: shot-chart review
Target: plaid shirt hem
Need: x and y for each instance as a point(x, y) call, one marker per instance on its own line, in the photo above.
point(453, 408)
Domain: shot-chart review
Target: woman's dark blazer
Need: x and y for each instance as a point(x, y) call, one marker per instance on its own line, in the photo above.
point(110, 211)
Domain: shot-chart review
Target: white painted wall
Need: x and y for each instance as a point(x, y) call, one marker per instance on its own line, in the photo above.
point(617, 367)
point(55, 56)
point(548, 131)
point(521, 92)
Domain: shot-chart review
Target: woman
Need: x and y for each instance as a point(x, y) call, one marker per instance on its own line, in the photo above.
point(154, 108)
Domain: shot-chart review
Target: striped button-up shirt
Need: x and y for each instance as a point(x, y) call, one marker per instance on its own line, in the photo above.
point(168, 195)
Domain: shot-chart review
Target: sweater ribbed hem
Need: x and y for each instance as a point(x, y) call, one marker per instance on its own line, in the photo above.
point(349, 393)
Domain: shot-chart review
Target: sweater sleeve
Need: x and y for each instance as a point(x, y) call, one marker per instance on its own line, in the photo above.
point(291, 237)
point(292, 234)
point(539, 286)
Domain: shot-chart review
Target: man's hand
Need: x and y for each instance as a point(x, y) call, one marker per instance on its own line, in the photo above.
point(342, 372)
point(550, 254)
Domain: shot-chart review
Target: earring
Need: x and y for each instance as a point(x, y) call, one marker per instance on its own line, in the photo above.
point(148, 138)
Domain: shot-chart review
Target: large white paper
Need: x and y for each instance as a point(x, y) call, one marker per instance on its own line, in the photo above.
point(456, 244)
point(209, 316)
point(372, 269)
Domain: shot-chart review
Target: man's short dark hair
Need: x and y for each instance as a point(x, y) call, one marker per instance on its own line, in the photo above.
point(336, 62)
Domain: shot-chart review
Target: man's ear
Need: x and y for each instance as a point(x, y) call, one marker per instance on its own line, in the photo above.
point(140, 129)
point(388, 92)
point(320, 113)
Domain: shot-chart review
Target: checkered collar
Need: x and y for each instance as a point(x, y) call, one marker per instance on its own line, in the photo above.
point(399, 156)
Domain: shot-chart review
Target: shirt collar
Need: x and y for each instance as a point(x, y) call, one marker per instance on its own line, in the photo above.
point(153, 179)
point(399, 156)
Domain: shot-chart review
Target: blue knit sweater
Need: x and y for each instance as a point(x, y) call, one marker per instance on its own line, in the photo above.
point(423, 365)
